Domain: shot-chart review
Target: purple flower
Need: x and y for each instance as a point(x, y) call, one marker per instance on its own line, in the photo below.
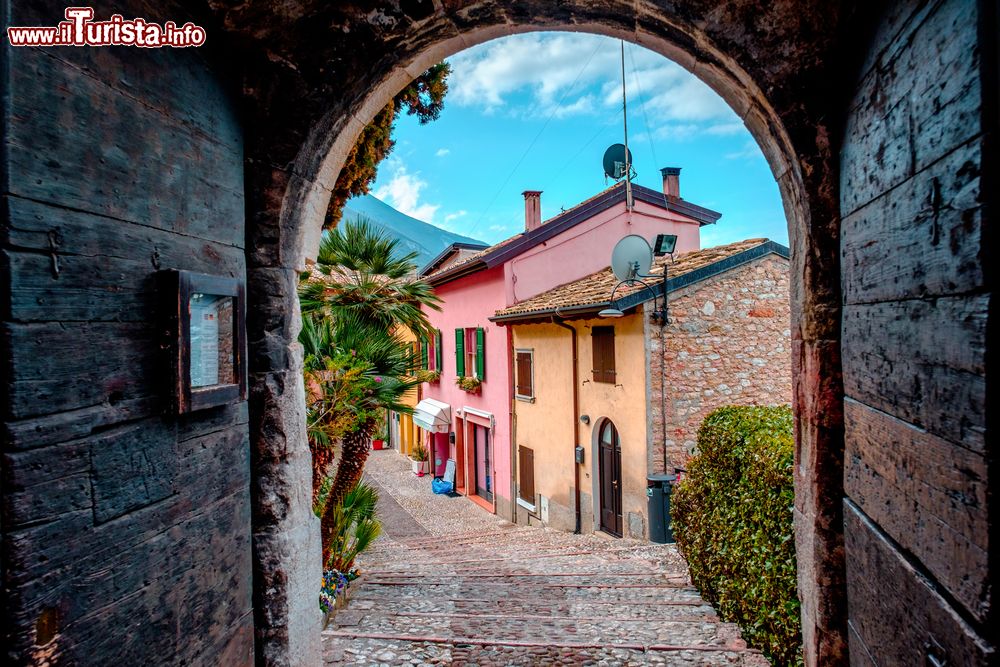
point(378, 379)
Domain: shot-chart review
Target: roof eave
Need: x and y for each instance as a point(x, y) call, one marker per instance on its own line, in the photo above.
point(458, 272)
point(441, 256)
point(637, 298)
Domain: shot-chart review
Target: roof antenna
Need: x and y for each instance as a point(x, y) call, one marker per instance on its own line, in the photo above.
point(629, 203)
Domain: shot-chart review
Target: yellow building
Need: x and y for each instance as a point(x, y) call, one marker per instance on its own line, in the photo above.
point(610, 402)
point(403, 433)
point(601, 403)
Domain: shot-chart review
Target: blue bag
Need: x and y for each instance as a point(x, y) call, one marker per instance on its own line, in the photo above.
point(438, 485)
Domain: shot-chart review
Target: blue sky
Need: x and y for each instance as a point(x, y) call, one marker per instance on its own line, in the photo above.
point(537, 111)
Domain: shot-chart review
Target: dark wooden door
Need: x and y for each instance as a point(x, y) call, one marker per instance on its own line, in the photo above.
point(611, 480)
point(481, 445)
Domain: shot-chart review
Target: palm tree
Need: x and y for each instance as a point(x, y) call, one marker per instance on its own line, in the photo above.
point(364, 282)
point(360, 294)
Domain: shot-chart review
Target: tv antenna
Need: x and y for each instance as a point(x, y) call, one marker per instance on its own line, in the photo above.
point(618, 158)
point(632, 258)
point(631, 261)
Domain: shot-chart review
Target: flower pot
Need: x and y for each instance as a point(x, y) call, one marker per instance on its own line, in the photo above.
point(419, 467)
point(378, 444)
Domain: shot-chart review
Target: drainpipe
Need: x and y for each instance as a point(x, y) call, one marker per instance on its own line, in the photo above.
point(576, 422)
point(512, 420)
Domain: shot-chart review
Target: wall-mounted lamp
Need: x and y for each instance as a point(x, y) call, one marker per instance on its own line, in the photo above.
point(584, 419)
point(664, 244)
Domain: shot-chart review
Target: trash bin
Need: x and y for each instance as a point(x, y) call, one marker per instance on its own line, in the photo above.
point(658, 490)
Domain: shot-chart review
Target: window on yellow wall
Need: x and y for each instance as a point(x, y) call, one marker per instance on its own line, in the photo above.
point(603, 342)
point(524, 387)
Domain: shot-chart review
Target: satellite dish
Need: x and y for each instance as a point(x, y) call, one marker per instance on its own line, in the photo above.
point(615, 161)
point(631, 258)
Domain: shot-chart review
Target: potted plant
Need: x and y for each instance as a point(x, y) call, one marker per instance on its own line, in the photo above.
point(429, 376)
point(418, 459)
point(469, 383)
point(380, 438)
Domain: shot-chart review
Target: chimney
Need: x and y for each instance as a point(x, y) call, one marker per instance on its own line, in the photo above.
point(672, 182)
point(532, 209)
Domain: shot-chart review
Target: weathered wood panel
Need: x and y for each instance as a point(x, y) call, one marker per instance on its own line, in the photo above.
point(141, 575)
point(208, 462)
point(915, 242)
point(69, 265)
point(180, 84)
point(76, 423)
point(897, 613)
point(921, 99)
point(922, 361)
point(78, 364)
point(928, 494)
point(78, 143)
point(923, 238)
point(126, 526)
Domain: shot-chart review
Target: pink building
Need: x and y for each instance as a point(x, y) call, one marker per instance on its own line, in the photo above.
point(472, 424)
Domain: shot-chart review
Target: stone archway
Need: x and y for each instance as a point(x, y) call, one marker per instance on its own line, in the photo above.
point(879, 120)
point(805, 169)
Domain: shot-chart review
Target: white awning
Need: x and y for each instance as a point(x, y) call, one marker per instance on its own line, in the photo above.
point(433, 416)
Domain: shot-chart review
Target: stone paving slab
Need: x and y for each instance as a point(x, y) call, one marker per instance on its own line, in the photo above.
point(450, 584)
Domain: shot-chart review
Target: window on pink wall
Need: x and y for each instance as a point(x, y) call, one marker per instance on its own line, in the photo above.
point(470, 351)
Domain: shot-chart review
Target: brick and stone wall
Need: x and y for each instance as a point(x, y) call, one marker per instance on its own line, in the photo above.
point(728, 343)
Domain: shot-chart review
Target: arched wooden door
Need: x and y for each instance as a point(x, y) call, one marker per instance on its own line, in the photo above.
point(610, 479)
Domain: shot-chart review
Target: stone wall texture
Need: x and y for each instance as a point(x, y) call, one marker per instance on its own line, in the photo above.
point(728, 343)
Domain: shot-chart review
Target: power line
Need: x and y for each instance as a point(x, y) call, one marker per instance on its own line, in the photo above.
point(534, 141)
point(645, 117)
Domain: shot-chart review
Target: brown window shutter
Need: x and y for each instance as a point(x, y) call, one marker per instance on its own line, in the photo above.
point(523, 364)
point(526, 474)
point(603, 342)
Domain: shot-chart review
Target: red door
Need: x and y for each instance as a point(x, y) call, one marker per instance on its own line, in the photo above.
point(610, 479)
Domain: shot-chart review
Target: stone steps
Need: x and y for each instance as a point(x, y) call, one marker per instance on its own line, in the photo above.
point(496, 594)
point(375, 649)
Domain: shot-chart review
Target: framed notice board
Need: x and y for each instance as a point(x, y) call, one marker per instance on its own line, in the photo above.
point(208, 334)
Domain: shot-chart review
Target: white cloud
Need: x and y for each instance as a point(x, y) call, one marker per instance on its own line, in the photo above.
point(454, 216)
point(749, 151)
point(498, 228)
point(677, 131)
point(570, 74)
point(441, 152)
point(402, 192)
point(725, 129)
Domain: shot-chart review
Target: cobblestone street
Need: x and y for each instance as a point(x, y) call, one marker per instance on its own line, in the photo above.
point(449, 583)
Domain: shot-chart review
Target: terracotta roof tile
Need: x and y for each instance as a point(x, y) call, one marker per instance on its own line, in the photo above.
point(596, 288)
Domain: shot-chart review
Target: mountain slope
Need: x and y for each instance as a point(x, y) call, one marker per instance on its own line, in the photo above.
point(414, 235)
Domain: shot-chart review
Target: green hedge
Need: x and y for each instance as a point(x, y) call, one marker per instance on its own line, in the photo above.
point(732, 518)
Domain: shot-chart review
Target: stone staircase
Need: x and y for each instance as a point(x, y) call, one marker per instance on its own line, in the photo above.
point(528, 596)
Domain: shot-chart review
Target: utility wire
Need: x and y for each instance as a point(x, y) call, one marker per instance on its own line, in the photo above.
point(645, 117)
point(534, 141)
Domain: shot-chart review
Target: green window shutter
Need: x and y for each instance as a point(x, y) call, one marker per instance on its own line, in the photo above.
point(460, 352)
point(438, 351)
point(481, 354)
point(423, 354)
